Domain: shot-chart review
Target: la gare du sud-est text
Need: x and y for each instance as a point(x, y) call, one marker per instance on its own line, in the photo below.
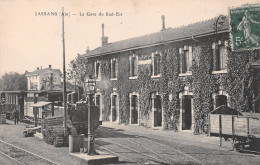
point(101, 14)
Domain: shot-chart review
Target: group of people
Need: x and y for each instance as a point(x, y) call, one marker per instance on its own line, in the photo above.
point(16, 116)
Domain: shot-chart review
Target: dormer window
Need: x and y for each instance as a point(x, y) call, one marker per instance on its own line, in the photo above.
point(185, 60)
point(219, 51)
point(97, 70)
point(133, 61)
point(156, 64)
point(114, 68)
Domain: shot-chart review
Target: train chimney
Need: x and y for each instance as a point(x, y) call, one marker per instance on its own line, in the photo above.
point(49, 66)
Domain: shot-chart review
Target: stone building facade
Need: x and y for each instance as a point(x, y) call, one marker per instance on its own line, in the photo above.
point(173, 78)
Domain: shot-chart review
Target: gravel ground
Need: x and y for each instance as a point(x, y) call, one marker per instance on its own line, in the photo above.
point(13, 134)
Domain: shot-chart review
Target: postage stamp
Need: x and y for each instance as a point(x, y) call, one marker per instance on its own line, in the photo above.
point(245, 27)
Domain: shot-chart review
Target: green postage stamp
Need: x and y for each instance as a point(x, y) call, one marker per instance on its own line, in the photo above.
point(245, 27)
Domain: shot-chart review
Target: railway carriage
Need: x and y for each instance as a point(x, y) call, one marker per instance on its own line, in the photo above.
point(11, 100)
point(243, 128)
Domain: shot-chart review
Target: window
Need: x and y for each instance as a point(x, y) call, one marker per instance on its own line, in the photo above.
point(114, 68)
point(219, 57)
point(185, 59)
point(97, 70)
point(156, 67)
point(133, 60)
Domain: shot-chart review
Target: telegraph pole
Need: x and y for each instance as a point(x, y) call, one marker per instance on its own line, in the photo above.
point(64, 82)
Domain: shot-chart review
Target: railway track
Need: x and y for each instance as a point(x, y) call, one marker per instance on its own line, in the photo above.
point(146, 151)
point(22, 156)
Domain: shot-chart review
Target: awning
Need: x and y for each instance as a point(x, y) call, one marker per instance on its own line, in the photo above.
point(40, 104)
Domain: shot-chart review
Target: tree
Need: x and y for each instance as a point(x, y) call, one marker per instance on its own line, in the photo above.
point(13, 81)
point(47, 82)
point(77, 71)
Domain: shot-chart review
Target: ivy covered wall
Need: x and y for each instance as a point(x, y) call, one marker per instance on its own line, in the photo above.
point(202, 83)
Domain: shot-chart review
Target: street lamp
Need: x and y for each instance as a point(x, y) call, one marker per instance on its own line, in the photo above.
point(90, 87)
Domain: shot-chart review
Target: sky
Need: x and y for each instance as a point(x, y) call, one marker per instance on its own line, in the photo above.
point(28, 40)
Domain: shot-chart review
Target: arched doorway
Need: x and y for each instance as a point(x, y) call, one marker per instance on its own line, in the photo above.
point(186, 109)
point(157, 110)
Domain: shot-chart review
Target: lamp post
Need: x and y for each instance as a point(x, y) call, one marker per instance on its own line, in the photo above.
point(90, 87)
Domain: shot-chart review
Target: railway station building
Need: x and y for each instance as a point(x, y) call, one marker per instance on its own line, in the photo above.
point(173, 78)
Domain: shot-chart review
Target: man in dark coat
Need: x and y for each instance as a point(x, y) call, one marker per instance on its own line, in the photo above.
point(16, 116)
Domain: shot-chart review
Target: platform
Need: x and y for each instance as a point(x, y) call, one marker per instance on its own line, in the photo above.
point(102, 158)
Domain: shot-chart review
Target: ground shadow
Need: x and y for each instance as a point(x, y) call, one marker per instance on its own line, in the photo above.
point(105, 132)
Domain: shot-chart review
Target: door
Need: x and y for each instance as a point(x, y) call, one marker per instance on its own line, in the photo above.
point(221, 100)
point(98, 105)
point(157, 111)
point(134, 109)
point(114, 107)
point(186, 112)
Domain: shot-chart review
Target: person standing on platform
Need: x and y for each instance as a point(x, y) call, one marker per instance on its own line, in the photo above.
point(16, 116)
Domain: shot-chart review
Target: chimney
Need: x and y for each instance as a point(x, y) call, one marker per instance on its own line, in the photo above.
point(87, 50)
point(104, 39)
point(37, 68)
point(163, 23)
point(49, 66)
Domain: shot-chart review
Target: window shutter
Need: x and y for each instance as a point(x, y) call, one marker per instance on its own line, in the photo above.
point(110, 68)
point(130, 66)
point(95, 69)
point(185, 57)
point(152, 66)
point(116, 68)
point(224, 58)
point(158, 64)
point(190, 58)
point(217, 58)
point(135, 67)
point(181, 59)
point(155, 66)
point(97, 65)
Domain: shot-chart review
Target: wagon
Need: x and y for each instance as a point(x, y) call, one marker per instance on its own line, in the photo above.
point(243, 128)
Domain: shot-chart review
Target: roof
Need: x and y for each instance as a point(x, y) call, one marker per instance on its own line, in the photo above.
point(58, 88)
point(169, 35)
point(12, 91)
point(40, 104)
point(31, 99)
point(225, 110)
point(40, 71)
